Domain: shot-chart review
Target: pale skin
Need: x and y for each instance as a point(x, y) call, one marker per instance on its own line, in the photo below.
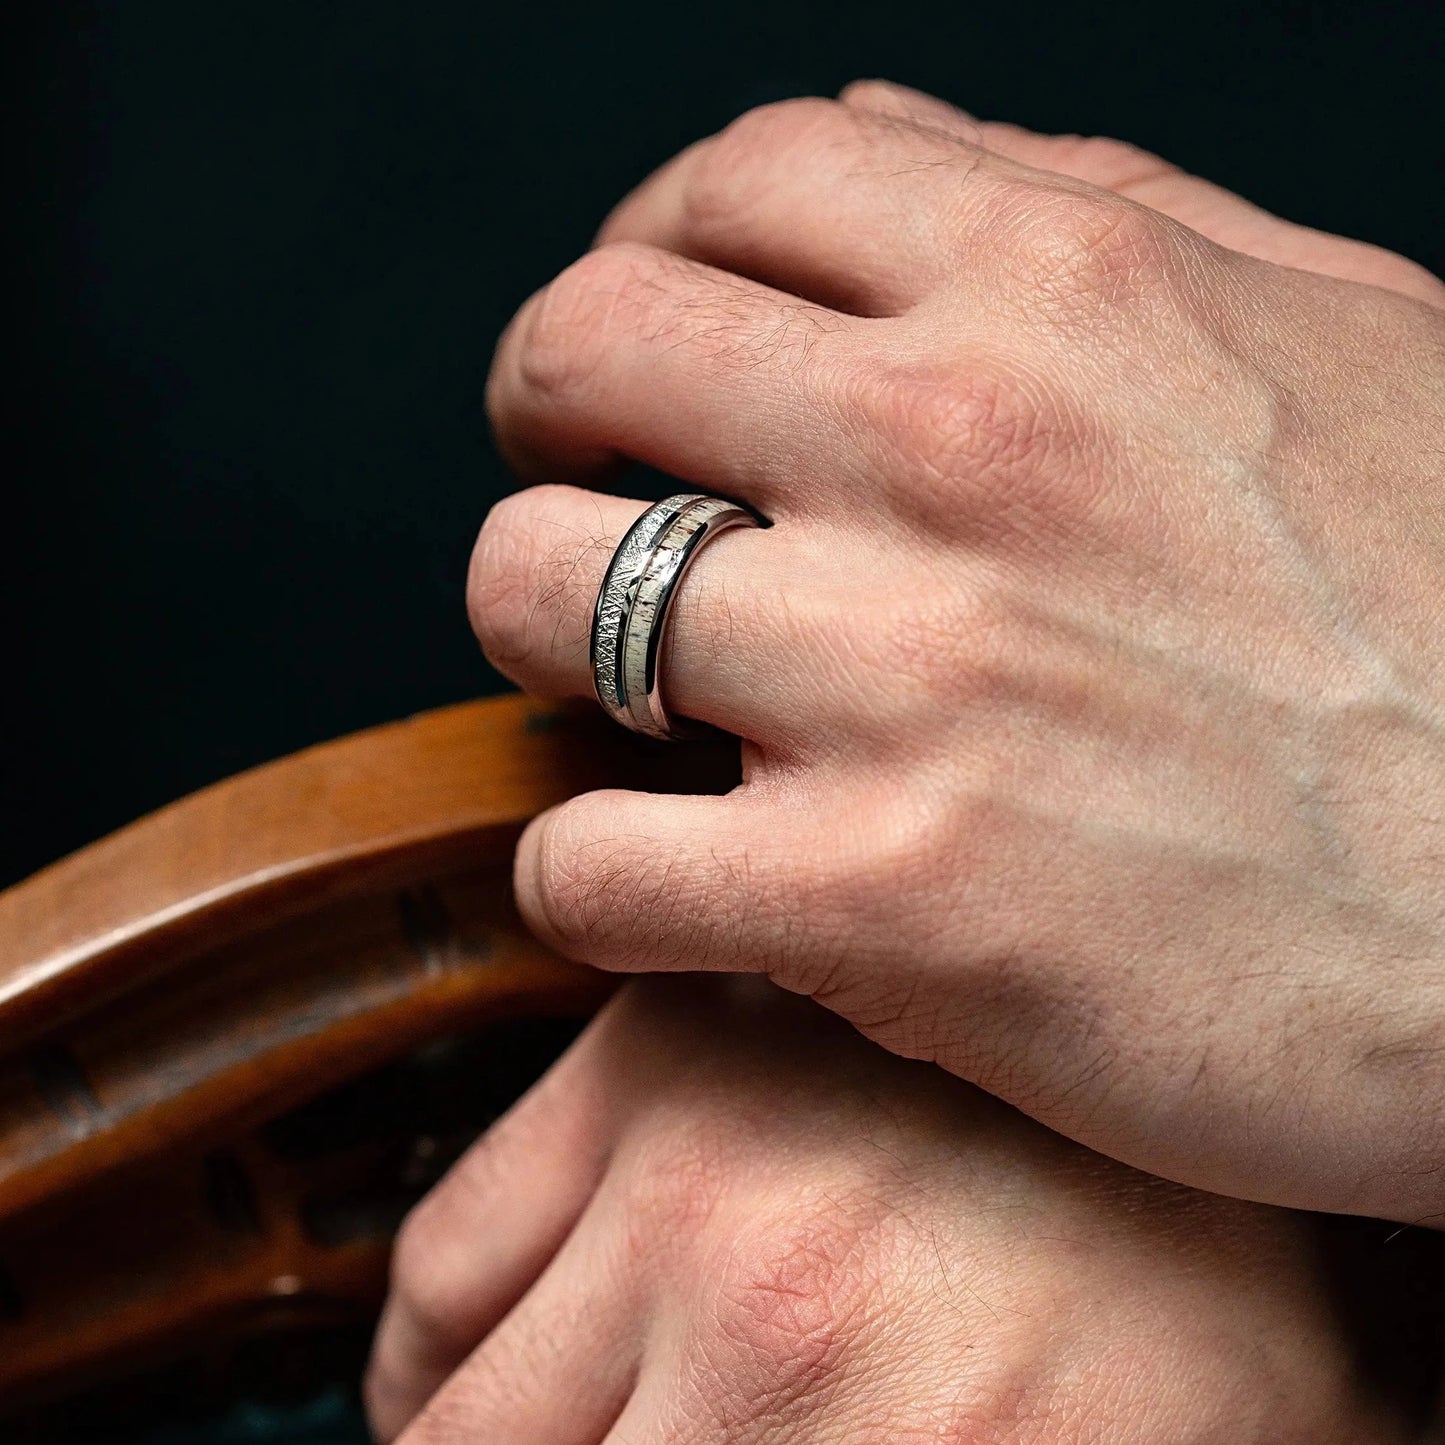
point(1090, 677)
point(726, 1219)
point(1092, 732)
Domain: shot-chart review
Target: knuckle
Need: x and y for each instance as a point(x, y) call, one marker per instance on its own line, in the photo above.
point(500, 575)
point(978, 445)
point(423, 1280)
point(1080, 254)
point(626, 296)
point(927, 869)
point(1400, 273)
point(734, 165)
point(1377, 266)
point(957, 424)
point(518, 588)
point(799, 1293)
point(675, 1177)
point(489, 1169)
point(571, 323)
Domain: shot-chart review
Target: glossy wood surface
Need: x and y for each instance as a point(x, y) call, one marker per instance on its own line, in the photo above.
point(379, 808)
point(172, 994)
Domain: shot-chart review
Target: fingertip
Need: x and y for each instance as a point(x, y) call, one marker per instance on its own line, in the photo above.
point(527, 889)
point(632, 882)
point(575, 868)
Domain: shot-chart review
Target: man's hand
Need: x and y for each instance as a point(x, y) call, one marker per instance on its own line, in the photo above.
point(725, 1218)
point(1092, 676)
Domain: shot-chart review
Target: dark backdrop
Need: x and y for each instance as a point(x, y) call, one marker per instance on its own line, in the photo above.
point(260, 253)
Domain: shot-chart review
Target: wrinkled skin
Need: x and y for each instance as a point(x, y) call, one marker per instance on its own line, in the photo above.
point(724, 1218)
point(1090, 678)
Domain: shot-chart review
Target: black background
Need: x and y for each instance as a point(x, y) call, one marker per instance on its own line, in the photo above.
point(259, 255)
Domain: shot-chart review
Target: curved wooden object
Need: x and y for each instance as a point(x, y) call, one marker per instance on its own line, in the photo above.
point(170, 993)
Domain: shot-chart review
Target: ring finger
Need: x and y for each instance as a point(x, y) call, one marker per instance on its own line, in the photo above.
point(733, 657)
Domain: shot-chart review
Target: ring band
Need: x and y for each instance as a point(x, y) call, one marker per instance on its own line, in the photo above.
point(633, 603)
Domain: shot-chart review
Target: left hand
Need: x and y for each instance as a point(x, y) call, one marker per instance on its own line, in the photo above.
point(725, 1219)
point(1090, 679)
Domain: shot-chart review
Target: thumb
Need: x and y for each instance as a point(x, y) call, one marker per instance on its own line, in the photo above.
point(1117, 166)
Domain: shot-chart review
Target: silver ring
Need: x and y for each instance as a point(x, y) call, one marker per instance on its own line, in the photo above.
point(633, 603)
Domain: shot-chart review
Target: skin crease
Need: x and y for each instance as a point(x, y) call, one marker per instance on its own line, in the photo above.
point(1089, 677)
point(724, 1217)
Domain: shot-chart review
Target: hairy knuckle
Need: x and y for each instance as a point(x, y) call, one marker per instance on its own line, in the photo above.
point(632, 296)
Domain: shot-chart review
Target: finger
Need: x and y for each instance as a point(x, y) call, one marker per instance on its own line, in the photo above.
point(561, 1366)
point(645, 882)
point(528, 1181)
point(853, 208)
point(1111, 164)
point(799, 195)
point(634, 352)
point(732, 657)
point(1127, 170)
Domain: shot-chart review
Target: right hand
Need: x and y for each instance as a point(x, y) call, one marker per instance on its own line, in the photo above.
point(1090, 676)
point(724, 1217)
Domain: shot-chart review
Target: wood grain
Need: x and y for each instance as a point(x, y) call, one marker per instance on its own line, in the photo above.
point(381, 808)
point(171, 994)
